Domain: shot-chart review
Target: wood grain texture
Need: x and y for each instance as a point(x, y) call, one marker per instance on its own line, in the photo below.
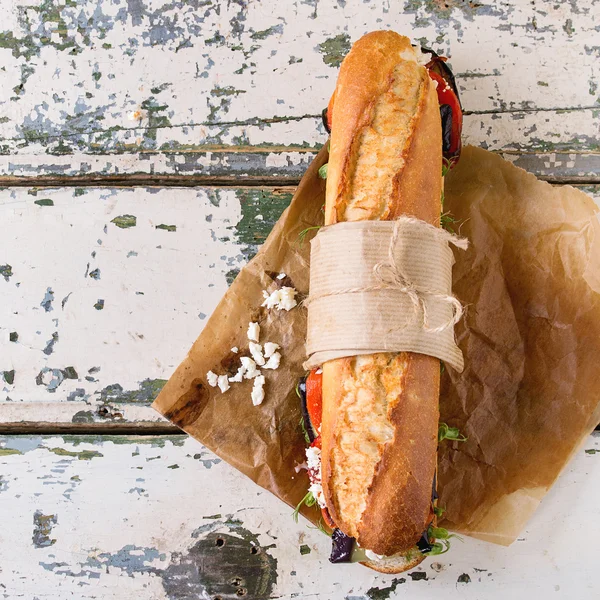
point(125, 516)
point(95, 317)
point(245, 166)
point(94, 87)
point(101, 304)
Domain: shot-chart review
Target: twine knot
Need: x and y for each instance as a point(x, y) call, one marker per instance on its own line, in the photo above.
point(391, 276)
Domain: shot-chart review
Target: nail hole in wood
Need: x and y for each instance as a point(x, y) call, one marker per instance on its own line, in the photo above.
point(237, 581)
point(220, 542)
point(241, 592)
point(217, 598)
point(254, 550)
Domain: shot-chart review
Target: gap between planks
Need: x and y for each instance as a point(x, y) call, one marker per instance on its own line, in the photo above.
point(126, 428)
point(141, 180)
point(167, 181)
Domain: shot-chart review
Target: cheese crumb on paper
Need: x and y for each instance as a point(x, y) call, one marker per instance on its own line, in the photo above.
point(266, 357)
point(237, 378)
point(273, 362)
point(269, 349)
point(250, 368)
point(257, 353)
point(282, 299)
point(281, 276)
point(212, 379)
point(258, 391)
point(223, 383)
point(253, 332)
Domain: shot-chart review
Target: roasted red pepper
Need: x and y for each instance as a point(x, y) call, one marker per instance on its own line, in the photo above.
point(451, 114)
point(314, 401)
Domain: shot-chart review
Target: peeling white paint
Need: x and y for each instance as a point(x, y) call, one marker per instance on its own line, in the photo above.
point(126, 509)
point(259, 73)
point(153, 285)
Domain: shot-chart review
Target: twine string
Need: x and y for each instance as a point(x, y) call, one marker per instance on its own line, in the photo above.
point(391, 276)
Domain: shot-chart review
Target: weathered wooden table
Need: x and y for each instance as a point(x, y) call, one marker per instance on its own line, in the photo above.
point(146, 150)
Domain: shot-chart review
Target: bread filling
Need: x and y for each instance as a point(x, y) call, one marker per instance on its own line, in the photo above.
point(371, 391)
point(382, 146)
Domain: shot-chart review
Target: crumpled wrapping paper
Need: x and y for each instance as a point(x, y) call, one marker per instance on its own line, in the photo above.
point(371, 291)
point(530, 391)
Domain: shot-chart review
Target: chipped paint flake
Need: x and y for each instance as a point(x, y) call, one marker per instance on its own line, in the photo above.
point(42, 529)
point(125, 221)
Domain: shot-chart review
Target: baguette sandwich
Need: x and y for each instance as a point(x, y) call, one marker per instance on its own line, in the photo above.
point(372, 420)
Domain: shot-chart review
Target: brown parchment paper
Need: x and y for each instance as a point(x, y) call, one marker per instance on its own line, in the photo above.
point(530, 390)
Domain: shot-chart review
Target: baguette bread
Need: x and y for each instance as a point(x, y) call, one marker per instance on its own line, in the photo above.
point(380, 411)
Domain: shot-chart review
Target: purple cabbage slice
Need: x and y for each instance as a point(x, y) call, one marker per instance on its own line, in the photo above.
point(341, 547)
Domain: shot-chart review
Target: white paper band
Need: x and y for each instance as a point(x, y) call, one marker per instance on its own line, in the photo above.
point(382, 286)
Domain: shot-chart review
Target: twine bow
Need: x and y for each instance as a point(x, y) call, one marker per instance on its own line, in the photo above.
point(392, 277)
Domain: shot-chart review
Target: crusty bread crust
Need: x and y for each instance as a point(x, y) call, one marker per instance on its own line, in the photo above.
point(395, 564)
point(380, 412)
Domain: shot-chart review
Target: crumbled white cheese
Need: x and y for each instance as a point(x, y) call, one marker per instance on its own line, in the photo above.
point(317, 491)
point(237, 378)
point(288, 298)
point(281, 276)
point(422, 57)
point(416, 55)
point(313, 458)
point(212, 379)
point(257, 353)
point(372, 556)
point(313, 463)
point(273, 362)
point(235, 349)
point(283, 299)
point(258, 391)
point(250, 370)
point(253, 331)
point(223, 383)
point(270, 348)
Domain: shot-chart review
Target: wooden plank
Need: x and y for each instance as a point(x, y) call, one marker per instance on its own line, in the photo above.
point(163, 518)
point(104, 291)
point(87, 79)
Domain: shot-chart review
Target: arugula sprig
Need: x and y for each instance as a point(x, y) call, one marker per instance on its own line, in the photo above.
point(323, 171)
point(438, 511)
point(302, 235)
point(447, 164)
point(443, 545)
point(445, 432)
point(320, 526)
point(304, 432)
point(308, 500)
point(447, 221)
